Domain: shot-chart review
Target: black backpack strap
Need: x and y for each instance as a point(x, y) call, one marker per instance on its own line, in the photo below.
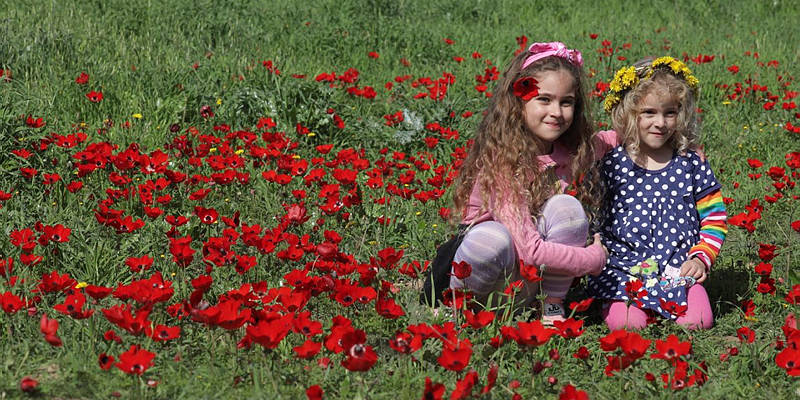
point(438, 278)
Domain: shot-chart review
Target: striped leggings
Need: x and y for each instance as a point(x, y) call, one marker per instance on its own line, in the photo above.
point(489, 249)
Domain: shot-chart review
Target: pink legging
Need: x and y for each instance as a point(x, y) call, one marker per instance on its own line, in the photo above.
point(698, 312)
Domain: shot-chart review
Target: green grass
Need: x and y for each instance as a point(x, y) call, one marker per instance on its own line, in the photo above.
point(141, 56)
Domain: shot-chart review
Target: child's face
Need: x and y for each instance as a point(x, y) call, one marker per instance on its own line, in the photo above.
point(657, 119)
point(550, 114)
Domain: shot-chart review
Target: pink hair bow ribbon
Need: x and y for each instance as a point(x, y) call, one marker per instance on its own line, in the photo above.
point(541, 50)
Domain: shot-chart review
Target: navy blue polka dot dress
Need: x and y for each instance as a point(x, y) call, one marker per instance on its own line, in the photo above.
point(649, 222)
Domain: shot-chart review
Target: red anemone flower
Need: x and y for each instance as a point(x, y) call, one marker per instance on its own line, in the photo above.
point(671, 349)
point(95, 97)
point(433, 390)
point(34, 122)
point(106, 361)
point(135, 361)
point(526, 88)
point(49, 328)
point(455, 356)
point(462, 270)
point(82, 79)
point(529, 271)
point(28, 384)
point(359, 357)
point(206, 215)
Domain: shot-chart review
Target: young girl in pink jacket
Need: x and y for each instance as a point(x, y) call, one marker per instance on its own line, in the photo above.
point(521, 187)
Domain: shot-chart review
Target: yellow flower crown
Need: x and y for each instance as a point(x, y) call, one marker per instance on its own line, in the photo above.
point(628, 77)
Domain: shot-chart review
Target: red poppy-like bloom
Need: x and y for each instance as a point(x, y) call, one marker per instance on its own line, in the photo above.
point(746, 335)
point(464, 386)
point(207, 215)
point(635, 290)
point(314, 392)
point(163, 333)
point(479, 320)
point(455, 354)
point(491, 378)
point(569, 392)
point(270, 333)
point(135, 361)
point(34, 123)
point(462, 270)
point(11, 303)
point(582, 353)
point(49, 328)
point(106, 361)
point(308, 349)
point(532, 333)
point(582, 305)
point(95, 97)
point(671, 349)
point(526, 88)
point(793, 297)
point(569, 328)
point(137, 264)
point(673, 307)
point(789, 359)
point(433, 390)
point(82, 79)
point(766, 251)
point(358, 356)
point(206, 111)
point(633, 347)
point(529, 271)
point(28, 384)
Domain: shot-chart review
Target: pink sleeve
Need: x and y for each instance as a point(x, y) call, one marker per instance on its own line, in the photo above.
point(533, 250)
point(603, 142)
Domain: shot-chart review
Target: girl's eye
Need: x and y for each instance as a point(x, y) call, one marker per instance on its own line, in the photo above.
point(544, 99)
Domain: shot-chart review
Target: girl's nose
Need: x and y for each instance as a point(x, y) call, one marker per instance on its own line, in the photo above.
point(659, 121)
point(555, 109)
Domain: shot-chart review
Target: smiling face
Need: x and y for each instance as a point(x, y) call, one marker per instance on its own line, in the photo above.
point(658, 117)
point(550, 114)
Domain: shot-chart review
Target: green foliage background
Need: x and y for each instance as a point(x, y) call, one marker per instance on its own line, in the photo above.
point(141, 53)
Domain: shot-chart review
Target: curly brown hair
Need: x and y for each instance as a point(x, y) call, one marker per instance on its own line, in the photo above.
point(625, 114)
point(503, 156)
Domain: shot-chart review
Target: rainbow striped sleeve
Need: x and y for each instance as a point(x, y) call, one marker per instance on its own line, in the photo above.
point(713, 228)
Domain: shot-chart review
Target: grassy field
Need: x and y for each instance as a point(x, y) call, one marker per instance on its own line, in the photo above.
point(311, 122)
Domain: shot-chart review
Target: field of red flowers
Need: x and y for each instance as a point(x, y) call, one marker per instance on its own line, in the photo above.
point(270, 239)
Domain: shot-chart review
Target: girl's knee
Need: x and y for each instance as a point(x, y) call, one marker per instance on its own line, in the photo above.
point(487, 247)
point(617, 315)
point(487, 242)
point(698, 309)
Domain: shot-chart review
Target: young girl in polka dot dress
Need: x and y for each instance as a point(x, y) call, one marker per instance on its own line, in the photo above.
point(663, 219)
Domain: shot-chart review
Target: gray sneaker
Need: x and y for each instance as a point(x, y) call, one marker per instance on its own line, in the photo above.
point(553, 312)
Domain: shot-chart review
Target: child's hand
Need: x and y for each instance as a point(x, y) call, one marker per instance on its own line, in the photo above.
point(597, 240)
point(694, 268)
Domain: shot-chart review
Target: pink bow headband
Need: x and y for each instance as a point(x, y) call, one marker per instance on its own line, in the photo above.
point(541, 50)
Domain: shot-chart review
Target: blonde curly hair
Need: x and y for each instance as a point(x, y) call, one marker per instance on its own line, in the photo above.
point(503, 156)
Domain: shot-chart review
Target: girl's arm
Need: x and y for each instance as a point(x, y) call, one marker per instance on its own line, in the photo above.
point(713, 228)
point(603, 142)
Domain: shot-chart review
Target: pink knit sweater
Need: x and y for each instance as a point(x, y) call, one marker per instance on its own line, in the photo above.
point(531, 249)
